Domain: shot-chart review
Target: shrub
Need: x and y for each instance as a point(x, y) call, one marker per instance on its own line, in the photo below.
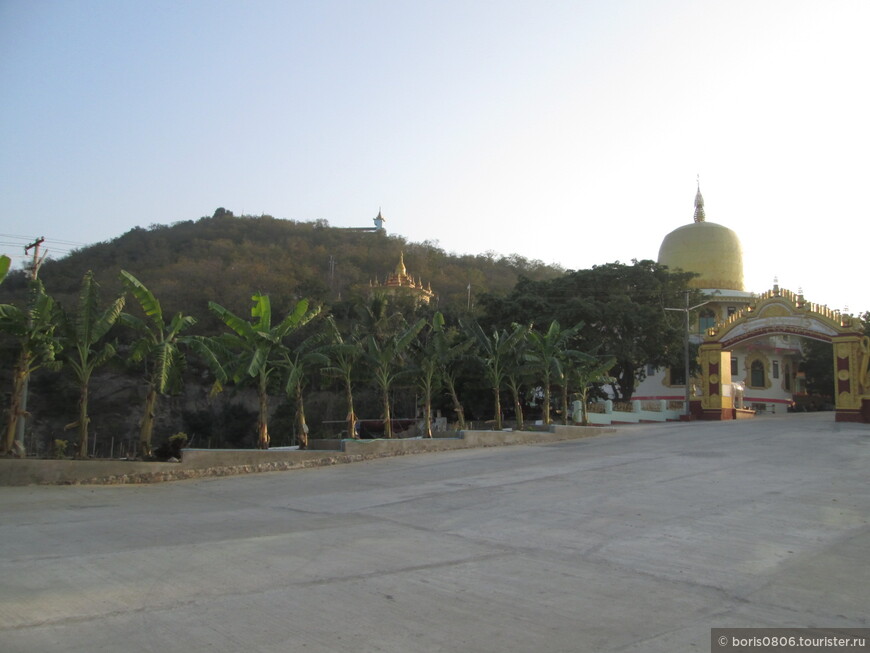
point(171, 448)
point(59, 448)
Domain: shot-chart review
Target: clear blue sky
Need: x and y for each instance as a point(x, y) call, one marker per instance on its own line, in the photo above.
point(570, 132)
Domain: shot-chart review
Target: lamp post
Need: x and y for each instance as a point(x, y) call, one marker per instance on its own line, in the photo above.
point(686, 311)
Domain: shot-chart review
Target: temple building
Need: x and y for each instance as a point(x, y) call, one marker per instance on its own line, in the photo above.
point(400, 283)
point(764, 371)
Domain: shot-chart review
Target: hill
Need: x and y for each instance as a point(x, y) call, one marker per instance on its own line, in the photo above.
point(225, 258)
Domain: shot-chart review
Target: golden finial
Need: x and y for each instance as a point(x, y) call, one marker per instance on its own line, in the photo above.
point(400, 268)
point(699, 203)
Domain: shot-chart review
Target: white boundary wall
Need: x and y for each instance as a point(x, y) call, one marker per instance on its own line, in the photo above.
point(637, 414)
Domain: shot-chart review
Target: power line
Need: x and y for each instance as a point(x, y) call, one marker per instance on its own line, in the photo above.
point(53, 240)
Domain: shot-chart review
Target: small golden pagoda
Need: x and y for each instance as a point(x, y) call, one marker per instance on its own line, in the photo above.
point(399, 282)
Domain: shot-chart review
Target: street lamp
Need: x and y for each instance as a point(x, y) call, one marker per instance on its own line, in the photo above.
point(686, 311)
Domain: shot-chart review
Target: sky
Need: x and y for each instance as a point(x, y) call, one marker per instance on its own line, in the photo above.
point(573, 132)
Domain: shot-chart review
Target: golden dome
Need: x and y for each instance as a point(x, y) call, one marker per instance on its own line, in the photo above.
point(706, 248)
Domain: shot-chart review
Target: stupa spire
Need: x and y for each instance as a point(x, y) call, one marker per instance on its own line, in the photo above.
point(380, 220)
point(401, 270)
point(699, 204)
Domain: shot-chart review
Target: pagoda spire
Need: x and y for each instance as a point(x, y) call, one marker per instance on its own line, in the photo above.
point(401, 270)
point(699, 204)
point(380, 220)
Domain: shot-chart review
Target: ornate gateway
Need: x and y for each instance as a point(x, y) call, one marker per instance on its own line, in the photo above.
point(782, 312)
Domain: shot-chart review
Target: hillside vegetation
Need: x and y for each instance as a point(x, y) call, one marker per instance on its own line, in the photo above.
point(225, 259)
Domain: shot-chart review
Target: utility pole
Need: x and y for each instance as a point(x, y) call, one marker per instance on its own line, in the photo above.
point(33, 270)
point(33, 274)
point(332, 273)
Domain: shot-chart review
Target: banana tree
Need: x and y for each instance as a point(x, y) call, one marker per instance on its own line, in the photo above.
point(39, 346)
point(451, 347)
point(158, 348)
point(84, 349)
point(546, 353)
point(584, 373)
point(252, 350)
point(343, 356)
point(298, 363)
point(516, 375)
point(427, 374)
point(385, 360)
point(5, 262)
point(494, 356)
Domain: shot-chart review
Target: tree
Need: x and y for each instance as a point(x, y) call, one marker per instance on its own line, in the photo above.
point(494, 356)
point(586, 371)
point(158, 348)
point(342, 357)
point(385, 361)
point(428, 373)
point(451, 346)
point(84, 349)
point(817, 364)
point(39, 347)
point(252, 351)
point(298, 363)
point(548, 352)
point(5, 262)
point(516, 375)
point(375, 318)
point(621, 307)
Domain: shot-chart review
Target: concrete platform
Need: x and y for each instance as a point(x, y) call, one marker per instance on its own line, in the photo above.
point(641, 540)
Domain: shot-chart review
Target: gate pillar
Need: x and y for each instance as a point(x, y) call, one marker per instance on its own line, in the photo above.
point(716, 400)
point(852, 383)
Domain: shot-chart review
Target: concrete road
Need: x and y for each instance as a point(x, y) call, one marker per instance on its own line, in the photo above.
point(637, 541)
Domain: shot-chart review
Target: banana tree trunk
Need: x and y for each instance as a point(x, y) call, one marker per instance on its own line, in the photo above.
point(546, 403)
point(498, 423)
point(457, 406)
point(83, 421)
point(351, 415)
point(15, 408)
point(263, 417)
point(302, 433)
point(147, 427)
point(388, 424)
point(427, 417)
point(518, 409)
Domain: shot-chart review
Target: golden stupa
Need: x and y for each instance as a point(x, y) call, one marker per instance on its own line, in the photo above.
point(706, 248)
point(399, 281)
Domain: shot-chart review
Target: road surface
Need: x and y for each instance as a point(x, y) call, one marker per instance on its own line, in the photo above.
point(641, 540)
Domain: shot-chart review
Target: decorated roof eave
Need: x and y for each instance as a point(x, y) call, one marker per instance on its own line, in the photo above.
point(782, 312)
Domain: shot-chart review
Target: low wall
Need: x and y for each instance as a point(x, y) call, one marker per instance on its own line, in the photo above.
point(636, 416)
point(198, 463)
point(65, 472)
point(208, 458)
point(467, 440)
